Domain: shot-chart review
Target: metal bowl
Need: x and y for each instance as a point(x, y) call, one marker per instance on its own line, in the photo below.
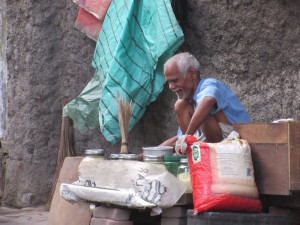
point(158, 150)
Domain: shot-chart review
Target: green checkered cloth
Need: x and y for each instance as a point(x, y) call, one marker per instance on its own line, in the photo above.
point(136, 39)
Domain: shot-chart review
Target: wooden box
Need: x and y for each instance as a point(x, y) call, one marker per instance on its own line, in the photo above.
point(63, 212)
point(275, 149)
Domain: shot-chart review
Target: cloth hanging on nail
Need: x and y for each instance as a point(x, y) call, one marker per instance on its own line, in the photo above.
point(90, 16)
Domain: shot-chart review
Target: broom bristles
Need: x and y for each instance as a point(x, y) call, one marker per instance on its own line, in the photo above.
point(124, 114)
point(65, 149)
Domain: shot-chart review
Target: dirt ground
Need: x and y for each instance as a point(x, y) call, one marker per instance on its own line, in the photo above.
point(24, 216)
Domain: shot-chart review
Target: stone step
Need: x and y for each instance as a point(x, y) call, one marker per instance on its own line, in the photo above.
point(111, 213)
point(175, 212)
point(101, 221)
point(225, 218)
point(174, 221)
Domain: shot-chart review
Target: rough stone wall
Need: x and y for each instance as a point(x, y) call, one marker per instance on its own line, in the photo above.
point(3, 68)
point(47, 60)
point(3, 79)
point(251, 45)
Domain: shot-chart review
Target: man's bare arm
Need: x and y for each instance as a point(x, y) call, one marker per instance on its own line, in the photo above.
point(169, 142)
point(200, 114)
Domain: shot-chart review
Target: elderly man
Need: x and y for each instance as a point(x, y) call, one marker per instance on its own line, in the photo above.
point(204, 106)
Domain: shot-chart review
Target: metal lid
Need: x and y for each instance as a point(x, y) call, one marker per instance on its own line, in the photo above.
point(153, 158)
point(184, 160)
point(123, 156)
point(94, 152)
point(158, 148)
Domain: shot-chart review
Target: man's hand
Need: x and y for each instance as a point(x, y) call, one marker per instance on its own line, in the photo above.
point(180, 146)
point(170, 142)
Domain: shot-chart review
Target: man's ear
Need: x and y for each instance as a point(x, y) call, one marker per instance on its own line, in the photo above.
point(192, 73)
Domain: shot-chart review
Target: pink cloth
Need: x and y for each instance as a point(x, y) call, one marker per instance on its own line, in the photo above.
point(98, 8)
point(88, 24)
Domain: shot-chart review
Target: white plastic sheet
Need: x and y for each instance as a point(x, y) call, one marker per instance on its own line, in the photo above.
point(125, 183)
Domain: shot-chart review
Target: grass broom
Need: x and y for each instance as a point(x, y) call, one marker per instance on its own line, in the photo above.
point(65, 148)
point(125, 110)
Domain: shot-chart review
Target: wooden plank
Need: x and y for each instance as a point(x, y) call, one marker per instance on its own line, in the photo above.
point(271, 166)
point(288, 160)
point(294, 134)
point(264, 133)
point(63, 212)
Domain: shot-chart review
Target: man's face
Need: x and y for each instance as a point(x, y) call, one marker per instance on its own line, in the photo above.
point(178, 83)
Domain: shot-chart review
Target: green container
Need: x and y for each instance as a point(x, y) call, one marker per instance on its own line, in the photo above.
point(172, 163)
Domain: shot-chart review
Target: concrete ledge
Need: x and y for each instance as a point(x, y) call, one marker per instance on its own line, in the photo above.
point(100, 221)
point(111, 213)
point(175, 212)
point(174, 221)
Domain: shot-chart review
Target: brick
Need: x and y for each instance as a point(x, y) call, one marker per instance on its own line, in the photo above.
point(174, 212)
point(174, 221)
point(111, 213)
point(101, 221)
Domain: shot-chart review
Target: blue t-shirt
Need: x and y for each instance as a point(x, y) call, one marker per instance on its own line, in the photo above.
point(225, 98)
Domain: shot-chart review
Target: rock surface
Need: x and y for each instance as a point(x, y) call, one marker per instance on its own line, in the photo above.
point(32, 216)
point(251, 45)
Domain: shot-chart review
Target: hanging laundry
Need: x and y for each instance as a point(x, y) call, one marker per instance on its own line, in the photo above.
point(97, 8)
point(88, 24)
point(136, 39)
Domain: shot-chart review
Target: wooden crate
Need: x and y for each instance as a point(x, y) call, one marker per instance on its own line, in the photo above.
point(65, 212)
point(275, 151)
